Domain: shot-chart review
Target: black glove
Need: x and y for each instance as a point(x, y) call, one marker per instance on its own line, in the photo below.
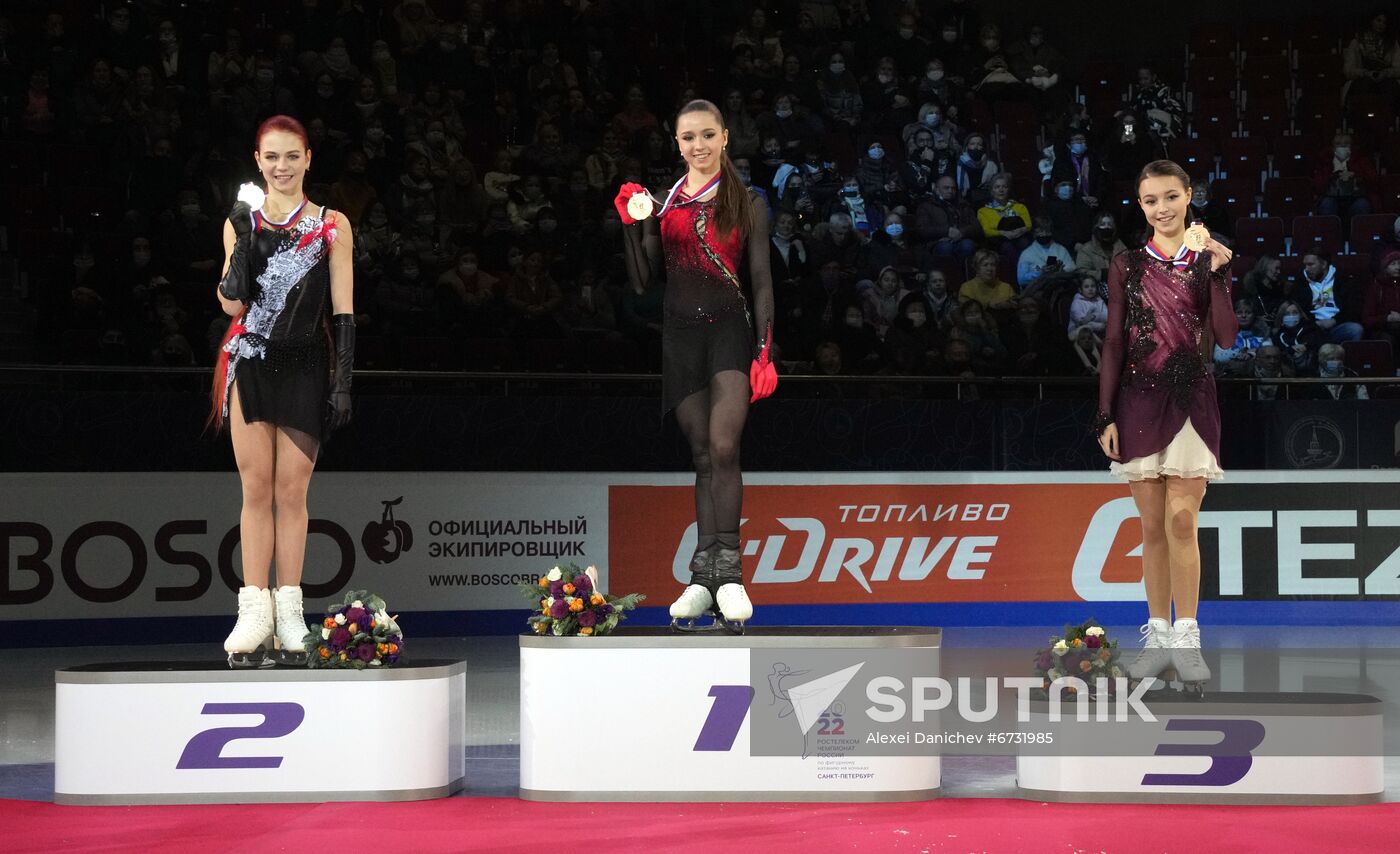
point(338, 414)
point(237, 284)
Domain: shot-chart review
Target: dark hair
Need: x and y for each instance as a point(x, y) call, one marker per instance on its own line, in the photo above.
point(1319, 253)
point(732, 202)
point(1161, 169)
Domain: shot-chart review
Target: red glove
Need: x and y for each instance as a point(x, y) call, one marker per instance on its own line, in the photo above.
point(763, 377)
point(624, 195)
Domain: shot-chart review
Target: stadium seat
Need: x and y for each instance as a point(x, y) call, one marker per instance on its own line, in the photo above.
point(1265, 115)
point(1240, 194)
point(1288, 197)
point(1368, 229)
point(1318, 75)
point(1316, 36)
point(1352, 268)
point(1293, 156)
point(1212, 77)
point(1369, 358)
point(1317, 232)
point(1196, 156)
point(1263, 40)
point(1259, 236)
point(1244, 157)
point(1214, 117)
point(1390, 192)
point(1213, 40)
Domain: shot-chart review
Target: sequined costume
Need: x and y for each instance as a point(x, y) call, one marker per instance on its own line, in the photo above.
point(709, 325)
point(1151, 386)
point(278, 352)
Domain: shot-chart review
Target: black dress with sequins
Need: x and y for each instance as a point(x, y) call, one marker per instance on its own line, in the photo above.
point(709, 325)
point(279, 359)
point(1162, 377)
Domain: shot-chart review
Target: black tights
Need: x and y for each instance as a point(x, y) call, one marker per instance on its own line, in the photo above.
point(712, 420)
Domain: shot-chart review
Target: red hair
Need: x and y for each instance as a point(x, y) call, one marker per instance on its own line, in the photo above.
point(284, 124)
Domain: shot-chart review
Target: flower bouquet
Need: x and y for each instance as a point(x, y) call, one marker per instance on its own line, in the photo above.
point(567, 602)
point(1084, 651)
point(358, 633)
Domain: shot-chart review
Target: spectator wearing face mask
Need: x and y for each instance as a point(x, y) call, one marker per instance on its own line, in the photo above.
point(1005, 222)
point(933, 119)
point(1044, 257)
point(1071, 220)
point(1095, 254)
point(465, 294)
point(887, 106)
point(1321, 276)
point(935, 87)
point(1210, 211)
point(1038, 64)
point(1075, 163)
point(789, 264)
point(1381, 316)
point(908, 47)
point(878, 176)
point(977, 327)
point(867, 215)
point(1035, 347)
point(1237, 359)
point(1371, 60)
point(1331, 365)
point(945, 224)
point(913, 339)
point(858, 339)
point(792, 131)
point(976, 171)
point(840, 93)
point(890, 247)
point(1344, 180)
point(1296, 337)
point(1088, 308)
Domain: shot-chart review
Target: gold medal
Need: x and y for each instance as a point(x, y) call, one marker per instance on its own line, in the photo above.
point(1196, 237)
point(640, 206)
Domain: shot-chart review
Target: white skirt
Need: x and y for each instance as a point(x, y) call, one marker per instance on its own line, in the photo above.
point(1187, 456)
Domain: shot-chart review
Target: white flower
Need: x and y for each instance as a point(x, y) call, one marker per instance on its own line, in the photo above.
point(555, 574)
point(374, 663)
point(1060, 647)
point(357, 604)
point(340, 619)
point(252, 195)
point(1052, 675)
point(1094, 631)
point(325, 633)
point(551, 601)
point(1116, 672)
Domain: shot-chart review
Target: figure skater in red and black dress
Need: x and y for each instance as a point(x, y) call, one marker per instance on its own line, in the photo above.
point(715, 344)
point(283, 379)
point(1158, 418)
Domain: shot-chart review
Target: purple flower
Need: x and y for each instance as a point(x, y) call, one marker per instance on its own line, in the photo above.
point(1093, 641)
point(556, 589)
point(587, 618)
point(559, 610)
point(606, 609)
point(583, 583)
point(1045, 661)
point(365, 652)
point(357, 615)
point(340, 637)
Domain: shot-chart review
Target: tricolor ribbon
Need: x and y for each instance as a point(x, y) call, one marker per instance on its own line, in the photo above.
point(676, 190)
point(1183, 258)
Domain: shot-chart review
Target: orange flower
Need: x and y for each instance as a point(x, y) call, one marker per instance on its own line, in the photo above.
point(342, 656)
point(393, 648)
point(544, 582)
point(383, 648)
point(597, 599)
point(354, 628)
point(1086, 666)
point(325, 653)
point(587, 630)
point(544, 608)
point(540, 628)
point(329, 622)
point(1106, 655)
point(576, 605)
point(1076, 642)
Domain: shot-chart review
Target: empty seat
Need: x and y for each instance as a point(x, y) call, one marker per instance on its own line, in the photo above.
point(1317, 232)
point(1288, 197)
point(1368, 231)
point(1259, 235)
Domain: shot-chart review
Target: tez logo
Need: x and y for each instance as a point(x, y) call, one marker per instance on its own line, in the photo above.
point(386, 539)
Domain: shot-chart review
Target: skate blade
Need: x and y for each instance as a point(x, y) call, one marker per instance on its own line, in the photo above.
point(714, 627)
point(255, 660)
point(285, 658)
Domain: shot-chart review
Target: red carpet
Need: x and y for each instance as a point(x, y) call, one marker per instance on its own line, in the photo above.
point(504, 824)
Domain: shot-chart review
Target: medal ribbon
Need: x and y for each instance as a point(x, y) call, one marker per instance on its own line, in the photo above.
point(283, 224)
point(685, 197)
point(1184, 257)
